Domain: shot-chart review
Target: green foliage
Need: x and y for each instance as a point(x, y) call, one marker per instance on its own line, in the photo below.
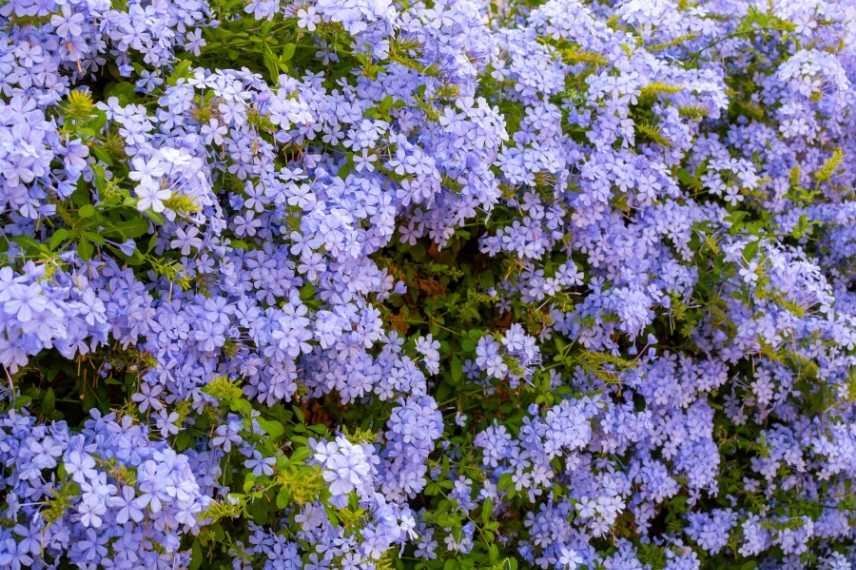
point(826, 171)
point(450, 294)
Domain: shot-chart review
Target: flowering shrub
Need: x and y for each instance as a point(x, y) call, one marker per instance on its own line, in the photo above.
point(441, 284)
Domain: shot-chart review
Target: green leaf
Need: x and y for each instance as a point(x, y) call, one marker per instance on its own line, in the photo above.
point(181, 71)
point(87, 211)
point(826, 171)
point(85, 249)
point(287, 52)
point(493, 552)
point(802, 227)
point(299, 414)
point(95, 238)
point(242, 406)
point(156, 217)
point(283, 497)
point(22, 402)
point(133, 228)
point(102, 154)
point(98, 121)
point(751, 250)
point(239, 244)
point(58, 237)
point(457, 370)
point(755, 18)
point(124, 91)
point(271, 64)
point(249, 481)
point(184, 440)
point(486, 510)
point(505, 483)
point(273, 428)
point(48, 401)
point(300, 454)
point(196, 555)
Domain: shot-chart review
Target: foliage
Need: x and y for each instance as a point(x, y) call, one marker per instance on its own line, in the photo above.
point(447, 284)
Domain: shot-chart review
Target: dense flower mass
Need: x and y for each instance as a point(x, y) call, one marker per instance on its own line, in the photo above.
point(375, 284)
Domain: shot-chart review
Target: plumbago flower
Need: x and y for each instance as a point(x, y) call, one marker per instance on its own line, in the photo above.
point(376, 283)
point(107, 493)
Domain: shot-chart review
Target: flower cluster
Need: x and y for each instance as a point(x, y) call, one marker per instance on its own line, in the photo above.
point(108, 495)
point(384, 283)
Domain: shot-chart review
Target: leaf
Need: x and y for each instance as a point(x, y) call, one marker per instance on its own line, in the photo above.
point(802, 227)
point(283, 497)
point(300, 454)
point(273, 428)
point(98, 120)
point(505, 483)
point(184, 440)
point(58, 237)
point(48, 401)
point(103, 155)
point(95, 238)
point(287, 52)
point(571, 55)
point(763, 20)
point(249, 481)
point(751, 250)
point(486, 510)
point(659, 88)
point(299, 414)
point(133, 228)
point(85, 249)
point(87, 211)
point(181, 71)
point(493, 552)
point(242, 406)
point(124, 91)
point(196, 556)
point(457, 370)
point(271, 64)
point(826, 171)
point(652, 133)
point(156, 217)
